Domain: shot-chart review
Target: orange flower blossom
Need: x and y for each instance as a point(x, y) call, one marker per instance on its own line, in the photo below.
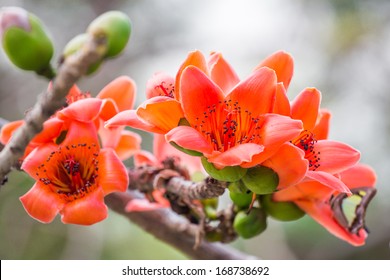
point(227, 120)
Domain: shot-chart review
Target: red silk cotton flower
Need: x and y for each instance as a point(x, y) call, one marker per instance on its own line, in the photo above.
point(72, 178)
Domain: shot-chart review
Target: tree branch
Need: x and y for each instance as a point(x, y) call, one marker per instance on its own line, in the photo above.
point(173, 229)
point(49, 102)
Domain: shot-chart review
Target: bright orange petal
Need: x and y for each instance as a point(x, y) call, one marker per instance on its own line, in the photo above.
point(359, 175)
point(195, 58)
point(256, 93)
point(289, 163)
point(122, 91)
point(8, 129)
point(129, 143)
point(84, 110)
point(306, 190)
point(36, 157)
point(323, 215)
point(88, 135)
point(41, 203)
point(113, 175)
point(163, 112)
point(305, 107)
point(328, 180)
point(281, 105)
point(282, 63)
point(51, 130)
point(335, 156)
point(189, 138)
point(278, 129)
point(85, 211)
point(198, 93)
point(222, 73)
point(236, 155)
point(321, 129)
point(108, 109)
point(130, 118)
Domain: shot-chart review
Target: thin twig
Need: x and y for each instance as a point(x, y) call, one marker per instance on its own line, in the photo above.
point(173, 229)
point(49, 102)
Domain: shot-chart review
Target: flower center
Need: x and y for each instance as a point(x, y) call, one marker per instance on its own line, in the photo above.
point(306, 142)
point(75, 96)
point(71, 171)
point(165, 90)
point(225, 125)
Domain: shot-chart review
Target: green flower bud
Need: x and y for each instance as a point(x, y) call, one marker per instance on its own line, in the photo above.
point(282, 211)
point(77, 44)
point(227, 174)
point(240, 195)
point(210, 206)
point(261, 180)
point(116, 27)
point(25, 40)
point(250, 225)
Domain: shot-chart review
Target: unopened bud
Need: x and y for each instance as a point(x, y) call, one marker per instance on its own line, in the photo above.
point(115, 26)
point(240, 195)
point(282, 211)
point(227, 174)
point(25, 40)
point(248, 225)
point(261, 180)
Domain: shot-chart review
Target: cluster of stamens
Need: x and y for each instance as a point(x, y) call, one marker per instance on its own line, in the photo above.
point(306, 142)
point(225, 125)
point(71, 171)
point(73, 97)
point(166, 90)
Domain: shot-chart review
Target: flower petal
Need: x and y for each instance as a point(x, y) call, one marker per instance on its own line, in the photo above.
point(85, 211)
point(41, 203)
point(335, 156)
point(194, 58)
point(222, 73)
point(278, 129)
point(281, 105)
point(160, 84)
point(283, 64)
point(145, 157)
point(289, 163)
point(8, 129)
point(198, 93)
point(256, 93)
point(84, 110)
point(236, 155)
point(51, 130)
point(163, 112)
point(130, 118)
point(129, 143)
point(88, 135)
point(189, 138)
point(306, 190)
point(36, 157)
point(108, 109)
point(305, 107)
point(122, 91)
point(323, 215)
point(113, 175)
point(328, 180)
point(321, 129)
point(359, 175)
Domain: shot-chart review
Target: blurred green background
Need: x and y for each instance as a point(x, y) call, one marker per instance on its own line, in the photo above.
point(341, 47)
